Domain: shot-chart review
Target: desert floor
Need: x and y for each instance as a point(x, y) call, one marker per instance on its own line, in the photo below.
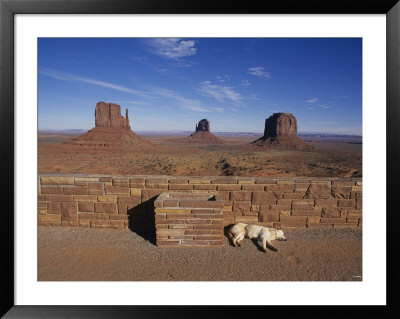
point(81, 254)
point(331, 157)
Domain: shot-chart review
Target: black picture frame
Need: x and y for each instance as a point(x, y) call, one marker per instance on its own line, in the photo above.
point(8, 8)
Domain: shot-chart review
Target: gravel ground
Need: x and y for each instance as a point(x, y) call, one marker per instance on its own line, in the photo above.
point(83, 254)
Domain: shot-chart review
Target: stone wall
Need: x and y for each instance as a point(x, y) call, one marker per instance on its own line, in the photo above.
point(189, 218)
point(128, 201)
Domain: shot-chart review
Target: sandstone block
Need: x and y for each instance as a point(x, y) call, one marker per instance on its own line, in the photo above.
point(270, 216)
point(86, 207)
point(172, 211)
point(296, 219)
point(341, 192)
point(301, 186)
point(296, 195)
point(331, 212)
point(303, 204)
point(45, 197)
point(200, 203)
point(84, 198)
point(268, 181)
point(246, 219)
point(180, 186)
point(76, 190)
point(246, 181)
point(134, 200)
point(49, 218)
point(84, 223)
point(253, 187)
point(107, 198)
point(240, 196)
point(110, 208)
point(123, 182)
point(111, 224)
point(42, 205)
point(306, 212)
point(232, 180)
point(120, 190)
point(313, 219)
point(86, 180)
point(332, 220)
point(51, 190)
point(241, 206)
point(57, 180)
point(204, 187)
point(69, 212)
point(178, 181)
point(354, 213)
point(263, 198)
point(319, 190)
point(228, 187)
point(93, 216)
point(61, 198)
point(326, 202)
point(343, 183)
point(347, 203)
point(280, 188)
point(119, 217)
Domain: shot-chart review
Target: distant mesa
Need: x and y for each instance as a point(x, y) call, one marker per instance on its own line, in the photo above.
point(203, 126)
point(112, 131)
point(281, 132)
point(201, 135)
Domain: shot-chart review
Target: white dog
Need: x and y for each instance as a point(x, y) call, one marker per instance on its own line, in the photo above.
point(238, 231)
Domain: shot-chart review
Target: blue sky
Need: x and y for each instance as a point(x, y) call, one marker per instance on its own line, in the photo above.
point(172, 83)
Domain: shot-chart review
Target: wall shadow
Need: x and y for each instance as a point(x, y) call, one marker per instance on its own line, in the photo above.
point(226, 234)
point(141, 220)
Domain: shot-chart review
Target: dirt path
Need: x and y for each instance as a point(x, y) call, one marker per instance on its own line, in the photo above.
point(80, 254)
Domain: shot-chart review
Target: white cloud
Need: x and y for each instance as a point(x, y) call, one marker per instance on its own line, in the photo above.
point(69, 77)
point(189, 104)
point(260, 72)
point(172, 48)
point(219, 92)
point(324, 106)
point(223, 78)
point(312, 100)
point(246, 83)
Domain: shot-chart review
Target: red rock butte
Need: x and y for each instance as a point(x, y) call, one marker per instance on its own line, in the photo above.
point(281, 132)
point(201, 135)
point(109, 115)
point(112, 131)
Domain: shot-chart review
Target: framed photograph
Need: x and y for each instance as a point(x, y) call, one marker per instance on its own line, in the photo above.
point(185, 58)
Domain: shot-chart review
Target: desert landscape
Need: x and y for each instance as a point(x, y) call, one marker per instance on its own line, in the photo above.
point(200, 153)
point(229, 111)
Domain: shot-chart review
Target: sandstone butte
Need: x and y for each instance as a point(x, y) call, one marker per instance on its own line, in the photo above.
point(201, 135)
point(112, 131)
point(281, 132)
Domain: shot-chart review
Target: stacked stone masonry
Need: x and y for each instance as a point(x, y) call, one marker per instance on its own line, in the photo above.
point(110, 201)
point(193, 218)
